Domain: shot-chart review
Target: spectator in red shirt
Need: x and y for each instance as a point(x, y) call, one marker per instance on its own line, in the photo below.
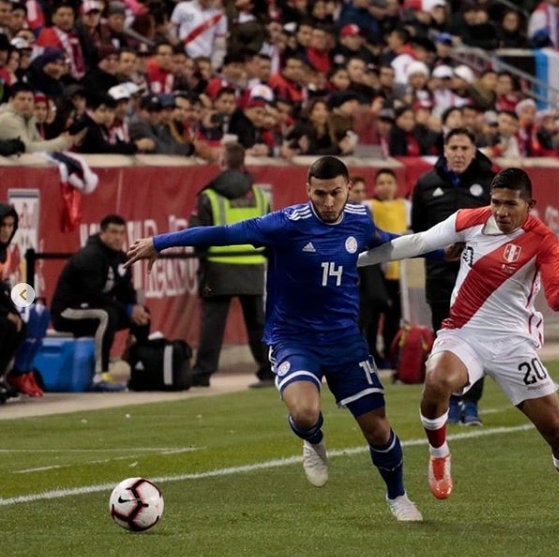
point(232, 75)
point(288, 83)
point(160, 69)
point(62, 35)
point(508, 92)
point(318, 51)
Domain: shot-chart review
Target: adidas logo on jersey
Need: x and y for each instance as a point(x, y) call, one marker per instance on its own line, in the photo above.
point(438, 192)
point(309, 248)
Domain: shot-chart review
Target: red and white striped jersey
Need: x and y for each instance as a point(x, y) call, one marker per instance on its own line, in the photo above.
point(500, 274)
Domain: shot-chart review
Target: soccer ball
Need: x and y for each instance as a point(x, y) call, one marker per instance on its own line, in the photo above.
point(136, 504)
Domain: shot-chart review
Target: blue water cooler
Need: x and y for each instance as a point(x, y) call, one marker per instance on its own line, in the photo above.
point(66, 364)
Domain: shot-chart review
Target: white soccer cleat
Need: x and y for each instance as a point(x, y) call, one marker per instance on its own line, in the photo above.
point(315, 463)
point(404, 510)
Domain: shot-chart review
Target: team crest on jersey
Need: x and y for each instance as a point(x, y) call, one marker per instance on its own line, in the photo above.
point(351, 244)
point(511, 253)
point(283, 368)
point(476, 190)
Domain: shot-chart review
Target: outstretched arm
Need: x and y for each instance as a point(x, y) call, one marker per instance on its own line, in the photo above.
point(250, 231)
point(412, 245)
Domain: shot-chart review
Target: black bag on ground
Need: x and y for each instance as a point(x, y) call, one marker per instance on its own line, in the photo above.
point(160, 365)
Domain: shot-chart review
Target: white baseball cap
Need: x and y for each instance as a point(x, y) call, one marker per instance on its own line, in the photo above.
point(417, 67)
point(119, 92)
point(131, 87)
point(428, 5)
point(465, 73)
point(442, 71)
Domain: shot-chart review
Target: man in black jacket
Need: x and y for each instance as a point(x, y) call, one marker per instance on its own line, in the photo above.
point(229, 198)
point(460, 179)
point(97, 138)
point(95, 296)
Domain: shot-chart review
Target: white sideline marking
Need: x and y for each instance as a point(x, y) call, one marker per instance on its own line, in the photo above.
point(276, 463)
point(100, 450)
point(163, 452)
point(483, 411)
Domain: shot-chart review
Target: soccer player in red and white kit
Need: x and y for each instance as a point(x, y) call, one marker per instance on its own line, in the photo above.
point(493, 327)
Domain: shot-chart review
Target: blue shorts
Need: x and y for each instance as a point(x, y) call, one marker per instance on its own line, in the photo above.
point(348, 368)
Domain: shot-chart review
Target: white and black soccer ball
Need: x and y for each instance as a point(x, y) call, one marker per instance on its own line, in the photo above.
point(136, 504)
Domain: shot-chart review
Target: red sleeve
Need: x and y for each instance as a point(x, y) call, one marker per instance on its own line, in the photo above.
point(467, 218)
point(47, 37)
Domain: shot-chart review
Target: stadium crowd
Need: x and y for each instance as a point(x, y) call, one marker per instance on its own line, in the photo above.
point(285, 77)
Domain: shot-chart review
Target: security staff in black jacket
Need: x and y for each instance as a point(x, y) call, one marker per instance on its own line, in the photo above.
point(460, 179)
point(229, 198)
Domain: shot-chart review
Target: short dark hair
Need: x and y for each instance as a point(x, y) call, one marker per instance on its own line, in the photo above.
point(20, 87)
point(233, 155)
point(385, 171)
point(161, 43)
point(513, 179)
point(112, 219)
point(327, 168)
point(460, 131)
point(225, 91)
point(448, 111)
point(96, 99)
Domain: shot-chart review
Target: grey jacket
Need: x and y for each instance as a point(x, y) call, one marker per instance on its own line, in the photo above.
point(16, 126)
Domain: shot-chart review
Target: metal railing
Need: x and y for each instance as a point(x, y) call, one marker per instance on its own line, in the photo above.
point(480, 60)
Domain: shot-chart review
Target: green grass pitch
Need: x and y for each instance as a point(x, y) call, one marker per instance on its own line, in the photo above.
point(230, 472)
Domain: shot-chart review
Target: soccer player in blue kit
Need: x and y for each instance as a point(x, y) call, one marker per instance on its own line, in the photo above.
point(311, 316)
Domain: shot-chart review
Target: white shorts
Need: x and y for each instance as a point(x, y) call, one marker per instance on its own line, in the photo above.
point(512, 362)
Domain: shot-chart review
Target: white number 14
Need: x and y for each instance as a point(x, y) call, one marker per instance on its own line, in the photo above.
point(329, 269)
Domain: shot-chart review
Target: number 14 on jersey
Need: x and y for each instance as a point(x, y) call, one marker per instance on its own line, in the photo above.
point(330, 271)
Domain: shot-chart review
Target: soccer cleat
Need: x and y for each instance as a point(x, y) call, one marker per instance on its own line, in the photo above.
point(403, 509)
point(32, 384)
point(315, 463)
point(454, 412)
point(106, 387)
point(470, 415)
point(440, 480)
point(24, 383)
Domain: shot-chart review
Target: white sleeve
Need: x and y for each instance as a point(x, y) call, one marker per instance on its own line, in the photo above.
point(177, 15)
point(411, 245)
point(537, 22)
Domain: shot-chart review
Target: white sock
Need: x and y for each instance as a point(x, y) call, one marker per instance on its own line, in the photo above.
point(435, 423)
point(439, 452)
point(555, 462)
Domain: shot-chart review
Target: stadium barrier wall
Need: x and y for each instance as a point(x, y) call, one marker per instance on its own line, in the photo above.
point(157, 194)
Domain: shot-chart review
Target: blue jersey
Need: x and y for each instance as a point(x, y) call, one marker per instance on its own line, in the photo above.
point(312, 280)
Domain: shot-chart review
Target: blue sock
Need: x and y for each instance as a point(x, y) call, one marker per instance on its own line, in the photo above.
point(389, 460)
point(313, 435)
